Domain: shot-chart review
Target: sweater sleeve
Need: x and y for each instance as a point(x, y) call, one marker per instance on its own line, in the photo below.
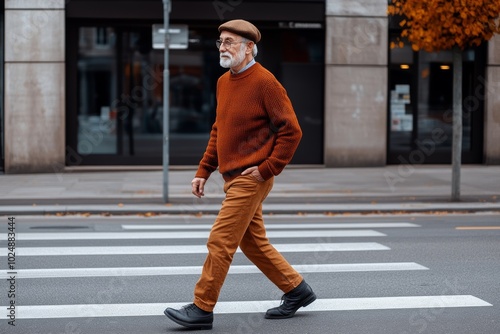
point(210, 161)
point(284, 123)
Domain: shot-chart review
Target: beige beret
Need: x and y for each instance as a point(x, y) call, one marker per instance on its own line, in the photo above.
point(242, 28)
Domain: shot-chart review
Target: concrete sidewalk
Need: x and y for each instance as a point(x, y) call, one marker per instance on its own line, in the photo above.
point(297, 190)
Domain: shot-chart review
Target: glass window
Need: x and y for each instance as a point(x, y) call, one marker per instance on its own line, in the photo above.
point(421, 104)
point(120, 92)
point(435, 98)
point(96, 80)
point(400, 102)
point(116, 109)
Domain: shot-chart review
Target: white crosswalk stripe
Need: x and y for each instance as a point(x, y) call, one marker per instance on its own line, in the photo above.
point(258, 306)
point(187, 235)
point(196, 270)
point(189, 249)
point(271, 227)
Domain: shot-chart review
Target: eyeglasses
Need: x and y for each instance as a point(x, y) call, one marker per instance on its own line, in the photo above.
point(227, 44)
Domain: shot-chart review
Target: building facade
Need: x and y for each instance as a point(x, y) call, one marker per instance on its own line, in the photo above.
point(82, 84)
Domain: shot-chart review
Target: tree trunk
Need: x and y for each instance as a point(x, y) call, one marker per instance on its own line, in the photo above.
point(457, 124)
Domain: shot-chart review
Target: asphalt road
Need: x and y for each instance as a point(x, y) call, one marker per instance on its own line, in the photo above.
point(391, 274)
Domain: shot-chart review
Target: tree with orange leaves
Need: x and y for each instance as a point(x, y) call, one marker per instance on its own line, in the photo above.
point(436, 25)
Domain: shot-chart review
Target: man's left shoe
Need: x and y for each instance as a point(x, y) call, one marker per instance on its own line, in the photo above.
point(191, 316)
point(299, 297)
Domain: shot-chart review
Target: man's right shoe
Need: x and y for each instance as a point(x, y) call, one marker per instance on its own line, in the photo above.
point(191, 316)
point(299, 297)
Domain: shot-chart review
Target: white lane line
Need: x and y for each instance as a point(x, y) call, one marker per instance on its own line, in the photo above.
point(156, 309)
point(289, 226)
point(187, 249)
point(184, 235)
point(196, 270)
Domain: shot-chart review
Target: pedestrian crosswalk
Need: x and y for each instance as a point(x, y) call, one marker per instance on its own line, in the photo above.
point(190, 249)
point(235, 307)
point(196, 270)
point(189, 235)
point(190, 239)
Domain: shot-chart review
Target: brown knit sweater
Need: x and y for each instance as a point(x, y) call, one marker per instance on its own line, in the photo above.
point(255, 125)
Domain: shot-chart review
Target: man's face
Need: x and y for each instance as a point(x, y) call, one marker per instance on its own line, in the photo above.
point(231, 56)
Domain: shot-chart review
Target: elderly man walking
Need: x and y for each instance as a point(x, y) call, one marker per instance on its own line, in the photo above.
point(253, 138)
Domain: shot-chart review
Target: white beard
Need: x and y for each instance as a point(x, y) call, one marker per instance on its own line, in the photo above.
point(226, 62)
point(229, 62)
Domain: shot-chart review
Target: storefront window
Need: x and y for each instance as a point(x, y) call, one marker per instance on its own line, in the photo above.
point(96, 79)
point(400, 107)
point(421, 105)
point(115, 84)
point(120, 106)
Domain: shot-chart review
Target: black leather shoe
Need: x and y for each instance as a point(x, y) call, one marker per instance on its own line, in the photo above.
point(191, 316)
point(299, 297)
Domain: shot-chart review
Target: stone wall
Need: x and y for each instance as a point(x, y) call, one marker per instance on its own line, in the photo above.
point(356, 83)
point(492, 105)
point(34, 85)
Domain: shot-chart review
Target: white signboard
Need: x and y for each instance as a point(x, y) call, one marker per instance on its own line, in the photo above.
point(179, 34)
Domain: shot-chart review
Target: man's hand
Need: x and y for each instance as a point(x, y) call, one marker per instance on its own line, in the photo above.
point(198, 186)
point(254, 171)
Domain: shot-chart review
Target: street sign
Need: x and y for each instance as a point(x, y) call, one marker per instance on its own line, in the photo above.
point(179, 34)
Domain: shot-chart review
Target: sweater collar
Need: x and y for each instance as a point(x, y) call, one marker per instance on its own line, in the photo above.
point(247, 66)
point(243, 74)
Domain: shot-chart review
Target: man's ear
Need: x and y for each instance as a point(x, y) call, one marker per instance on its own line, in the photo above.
point(250, 45)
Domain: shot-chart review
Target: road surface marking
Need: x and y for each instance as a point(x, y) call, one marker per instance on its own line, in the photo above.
point(185, 235)
point(196, 270)
point(188, 249)
point(156, 309)
point(274, 226)
point(478, 228)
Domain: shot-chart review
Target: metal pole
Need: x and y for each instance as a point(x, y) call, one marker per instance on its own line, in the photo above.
point(166, 98)
point(457, 125)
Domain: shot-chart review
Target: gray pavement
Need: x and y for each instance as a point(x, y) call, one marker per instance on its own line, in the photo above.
point(299, 189)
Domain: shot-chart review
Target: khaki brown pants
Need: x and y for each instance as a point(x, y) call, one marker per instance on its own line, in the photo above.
point(240, 223)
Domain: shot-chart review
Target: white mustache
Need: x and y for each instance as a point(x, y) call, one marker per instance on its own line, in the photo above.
point(225, 54)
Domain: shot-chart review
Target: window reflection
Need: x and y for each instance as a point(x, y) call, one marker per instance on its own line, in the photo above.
point(189, 110)
point(120, 93)
point(401, 99)
point(96, 79)
point(435, 98)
